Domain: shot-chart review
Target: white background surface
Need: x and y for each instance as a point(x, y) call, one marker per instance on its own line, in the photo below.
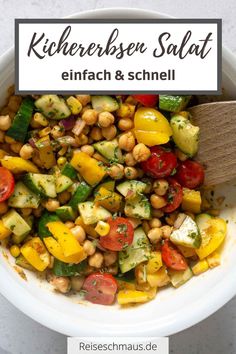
point(18, 333)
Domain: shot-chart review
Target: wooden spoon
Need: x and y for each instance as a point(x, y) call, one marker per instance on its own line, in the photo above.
point(217, 146)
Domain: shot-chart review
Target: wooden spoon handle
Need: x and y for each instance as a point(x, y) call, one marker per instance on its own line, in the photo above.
point(217, 147)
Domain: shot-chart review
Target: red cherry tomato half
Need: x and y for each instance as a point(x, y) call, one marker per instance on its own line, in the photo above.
point(172, 258)
point(161, 163)
point(100, 288)
point(120, 236)
point(147, 100)
point(174, 196)
point(7, 184)
point(190, 174)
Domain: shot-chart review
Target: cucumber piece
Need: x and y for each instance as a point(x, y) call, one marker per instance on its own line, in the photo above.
point(131, 186)
point(104, 103)
point(14, 222)
point(110, 150)
point(136, 253)
point(65, 213)
point(43, 221)
point(187, 235)
point(81, 194)
point(23, 197)
point(179, 277)
point(92, 213)
point(128, 277)
point(23, 263)
point(202, 221)
point(138, 206)
point(69, 171)
point(18, 239)
point(62, 183)
point(40, 184)
point(185, 135)
point(61, 269)
point(53, 106)
point(173, 103)
point(109, 185)
point(21, 121)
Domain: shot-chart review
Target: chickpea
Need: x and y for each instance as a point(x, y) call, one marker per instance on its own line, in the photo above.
point(82, 139)
point(77, 283)
point(38, 212)
point(16, 147)
point(156, 213)
point(129, 159)
point(61, 284)
point(83, 99)
point(96, 260)
point(90, 116)
point(3, 208)
point(89, 248)
point(105, 119)
point(131, 172)
point(181, 155)
point(116, 171)
point(127, 142)
point(141, 152)
point(79, 233)
point(64, 197)
point(26, 152)
point(170, 219)
point(146, 226)
point(52, 205)
point(134, 222)
point(96, 134)
point(69, 224)
point(157, 201)
point(109, 133)
point(85, 108)
point(160, 186)
point(155, 223)
point(57, 131)
point(110, 258)
point(2, 136)
point(125, 124)
point(26, 211)
point(88, 149)
point(14, 103)
point(155, 235)
point(166, 231)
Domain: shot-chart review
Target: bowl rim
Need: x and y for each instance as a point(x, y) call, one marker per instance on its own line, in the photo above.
point(53, 319)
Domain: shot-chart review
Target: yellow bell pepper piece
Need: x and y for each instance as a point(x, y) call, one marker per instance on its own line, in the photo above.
point(151, 127)
point(212, 237)
point(4, 232)
point(74, 105)
point(65, 238)
point(46, 153)
point(186, 251)
point(154, 263)
point(191, 201)
point(200, 267)
point(89, 168)
point(214, 260)
point(108, 200)
point(159, 279)
point(36, 254)
point(56, 250)
point(2, 153)
point(89, 229)
point(18, 165)
point(102, 228)
point(125, 297)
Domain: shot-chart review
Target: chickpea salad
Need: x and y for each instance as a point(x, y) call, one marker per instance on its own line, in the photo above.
point(101, 194)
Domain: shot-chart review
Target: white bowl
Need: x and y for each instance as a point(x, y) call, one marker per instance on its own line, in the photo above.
point(172, 310)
